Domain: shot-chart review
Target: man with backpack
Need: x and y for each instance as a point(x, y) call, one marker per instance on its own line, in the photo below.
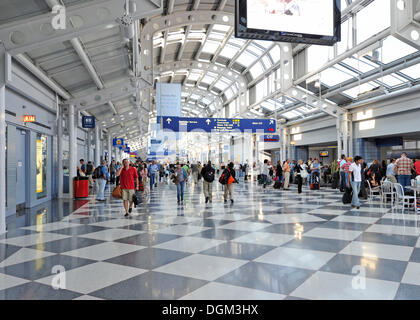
point(101, 176)
point(208, 177)
point(179, 177)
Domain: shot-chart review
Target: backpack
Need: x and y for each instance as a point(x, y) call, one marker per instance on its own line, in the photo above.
point(97, 173)
point(224, 178)
point(89, 169)
point(209, 175)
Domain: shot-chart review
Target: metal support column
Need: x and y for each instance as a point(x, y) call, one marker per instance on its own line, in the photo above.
point(109, 148)
point(60, 150)
point(339, 140)
point(88, 145)
point(72, 149)
point(97, 146)
point(5, 75)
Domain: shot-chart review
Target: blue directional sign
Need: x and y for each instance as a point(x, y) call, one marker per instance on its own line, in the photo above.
point(180, 124)
point(88, 121)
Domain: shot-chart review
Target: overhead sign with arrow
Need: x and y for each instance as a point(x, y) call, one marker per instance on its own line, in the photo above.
point(180, 124)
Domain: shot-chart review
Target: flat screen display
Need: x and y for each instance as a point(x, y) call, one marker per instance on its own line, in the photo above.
point(300, 21)
point(323, 154)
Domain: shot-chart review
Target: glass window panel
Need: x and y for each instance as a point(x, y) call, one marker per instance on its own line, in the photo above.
point(236, 41)
point(333, 76)
point(358, 64)
point(194, 76)
point(373, 19)
point(211, 46)
point(221, 27)
point(267, 62)
point(318, 56)
point(256, 70)
point(392, 80)
point(354, 92)
point(265, 44)
point(291, 114)
point(394, 49)
point(413, 72)
point(275, 54)
point(217, 35)
point(346, 38)
point(229, 94)
point(229, 51)
point(246, 59)
point(208, 79)
point(221, 85)
point(255, 50)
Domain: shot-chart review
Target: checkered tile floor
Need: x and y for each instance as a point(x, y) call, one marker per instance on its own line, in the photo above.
point(269, 245)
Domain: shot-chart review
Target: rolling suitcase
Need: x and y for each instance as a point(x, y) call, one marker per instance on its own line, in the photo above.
point(277, 185)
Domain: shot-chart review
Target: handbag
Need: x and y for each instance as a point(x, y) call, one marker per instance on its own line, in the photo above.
point(117, 193)
point(304, 174)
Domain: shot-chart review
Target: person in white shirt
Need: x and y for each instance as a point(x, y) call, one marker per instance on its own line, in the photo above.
point(264, 173)
point(355, 178)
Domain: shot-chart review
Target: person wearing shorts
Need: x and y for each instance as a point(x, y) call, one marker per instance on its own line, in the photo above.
point(128, 176)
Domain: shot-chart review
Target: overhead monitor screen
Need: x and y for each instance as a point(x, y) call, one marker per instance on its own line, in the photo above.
point(299, 21)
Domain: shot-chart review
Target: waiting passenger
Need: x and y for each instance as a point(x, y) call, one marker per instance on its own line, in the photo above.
point(89, 171)
point(101, 180)
point(390, 171)
point(403, 169)
point(286, 171)
point(179, 177)
point(299, 173)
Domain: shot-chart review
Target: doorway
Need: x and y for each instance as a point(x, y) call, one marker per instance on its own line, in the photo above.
point(21, 168)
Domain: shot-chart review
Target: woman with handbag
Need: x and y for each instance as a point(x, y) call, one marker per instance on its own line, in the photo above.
point(229, 172)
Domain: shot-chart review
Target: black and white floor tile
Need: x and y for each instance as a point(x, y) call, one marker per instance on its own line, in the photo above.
point(270, 244)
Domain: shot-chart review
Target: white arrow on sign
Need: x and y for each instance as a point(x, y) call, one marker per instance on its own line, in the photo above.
point(208, 122)
point(271, 122)
point(168, 120)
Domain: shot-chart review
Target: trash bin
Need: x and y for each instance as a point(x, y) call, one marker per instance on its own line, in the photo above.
point(81, 187)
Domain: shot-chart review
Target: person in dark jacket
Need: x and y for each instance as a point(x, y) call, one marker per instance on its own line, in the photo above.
point(279, 171)
point(208, 173)
point(229, 172)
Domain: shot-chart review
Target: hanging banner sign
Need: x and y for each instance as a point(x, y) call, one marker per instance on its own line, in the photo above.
point(180, 124)
point(88, 122)
point(118, 142)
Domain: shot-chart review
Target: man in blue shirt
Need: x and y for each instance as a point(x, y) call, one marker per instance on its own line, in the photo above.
point(316, 167)
point(153, 169)
point(390, 171)
point(101, 182)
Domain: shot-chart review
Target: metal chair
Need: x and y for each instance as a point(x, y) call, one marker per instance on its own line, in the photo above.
point(374, 190)
point(401, 197)
point(387, 188)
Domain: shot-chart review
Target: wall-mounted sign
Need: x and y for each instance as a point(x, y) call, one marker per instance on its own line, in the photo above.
point(88, 122)
point(270, 138)
point(28, 118)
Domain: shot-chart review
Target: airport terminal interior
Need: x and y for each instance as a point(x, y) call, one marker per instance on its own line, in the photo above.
point(271, 149)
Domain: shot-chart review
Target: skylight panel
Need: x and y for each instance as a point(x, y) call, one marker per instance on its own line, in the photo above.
point(211, 46)
point(413, 71)
point(246, 59)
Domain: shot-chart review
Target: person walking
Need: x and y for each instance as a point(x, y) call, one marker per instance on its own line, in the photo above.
point(390, 171)
point(264, 173)
point(112, 171)
point(279, 171)
point(152, 170)
point(299, 169)
point(101, 181)
point(208, 173)
point(229, 172)
point(81, 171)
point(128, 176)
point(286, 171)
point(354, 178)
point(403, 168)
point(179, 177)
point(89, 172)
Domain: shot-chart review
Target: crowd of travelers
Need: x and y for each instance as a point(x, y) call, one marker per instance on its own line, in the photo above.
point(136, 179)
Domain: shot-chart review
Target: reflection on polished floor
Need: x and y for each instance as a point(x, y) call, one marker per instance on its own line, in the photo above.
point(269, 245)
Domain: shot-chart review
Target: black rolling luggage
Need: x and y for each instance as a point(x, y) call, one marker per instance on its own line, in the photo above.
point(348, 195)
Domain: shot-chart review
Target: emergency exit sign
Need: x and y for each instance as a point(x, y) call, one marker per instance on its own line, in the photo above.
point(28, 118)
